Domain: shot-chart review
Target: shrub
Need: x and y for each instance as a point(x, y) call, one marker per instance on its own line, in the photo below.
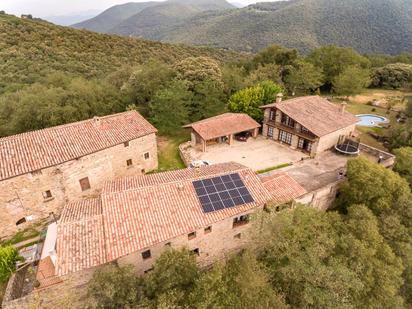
point(8, 258)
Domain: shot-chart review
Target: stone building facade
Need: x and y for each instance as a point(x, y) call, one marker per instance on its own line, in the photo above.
point(309, 124)
point(43, 170)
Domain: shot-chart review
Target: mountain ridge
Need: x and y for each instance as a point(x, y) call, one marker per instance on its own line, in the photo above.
point(369, 26)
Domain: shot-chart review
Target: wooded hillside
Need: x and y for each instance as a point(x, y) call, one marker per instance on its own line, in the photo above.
point(31, 49)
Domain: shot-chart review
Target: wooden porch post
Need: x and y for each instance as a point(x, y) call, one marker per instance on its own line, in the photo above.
point(203, 145)
point(230, 139)
point(255, 132)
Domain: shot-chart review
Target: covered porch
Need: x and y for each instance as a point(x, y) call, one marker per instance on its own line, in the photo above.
point(222, 129)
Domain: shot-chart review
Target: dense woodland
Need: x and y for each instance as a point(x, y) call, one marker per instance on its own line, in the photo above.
point(53, 75)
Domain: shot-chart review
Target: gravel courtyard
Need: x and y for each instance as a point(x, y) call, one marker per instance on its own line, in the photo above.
point(258, 154)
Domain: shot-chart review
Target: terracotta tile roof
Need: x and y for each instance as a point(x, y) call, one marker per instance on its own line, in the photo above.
point(80, 237)
point(223, 125)
point(31, 151)
point(140, 217)
point(282, 187)
point(315, 113)
point(46, 273)
point(137, 212)
point(186, 174)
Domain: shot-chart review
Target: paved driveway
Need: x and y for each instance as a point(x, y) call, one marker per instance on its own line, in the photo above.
point(258, 154)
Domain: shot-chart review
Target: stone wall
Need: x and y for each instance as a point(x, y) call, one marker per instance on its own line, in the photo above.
point(330, 140)
point(321, 198)
point(215, 245)
point(22, 196)
point(388, 159)
point(70, 293)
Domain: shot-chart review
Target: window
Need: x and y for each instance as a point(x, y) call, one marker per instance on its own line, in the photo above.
point(242, 220)
point(272, 115)
point(126, 144)
point(47, 194)
point(129, 162)
point(285, 137)
point(146, 254)
point(146, 156)
point(191, 235)
point(287, 121)
point(21, 221)
point(196, 251)
point(300, 143)
point(304, 144)
point(270, 131)
point(237, 236)
point(84, 183)
point(208, 230)
point(304, 130)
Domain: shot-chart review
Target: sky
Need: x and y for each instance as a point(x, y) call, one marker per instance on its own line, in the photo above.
point(42, 8)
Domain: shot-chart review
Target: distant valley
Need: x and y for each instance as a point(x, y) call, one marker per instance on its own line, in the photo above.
point(369, 26)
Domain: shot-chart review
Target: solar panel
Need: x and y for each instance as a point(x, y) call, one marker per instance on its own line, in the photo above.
point(222, 192)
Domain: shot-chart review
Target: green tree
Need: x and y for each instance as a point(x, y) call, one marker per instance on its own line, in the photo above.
point(146, 80)
point(403, 165)
point(275, 54)
point(267, 72)
point(389, 197)
point(198, 69)
point(351, 81)
point(116, 287)
point(401, 135)
point(169, 107)
point(333, 60)
point(208, 100)
point(327, 260)
point(175, 271)
point(304, 77)
point(239, 283)
point(233, 78)
point(9, 256)
point(394, 75)
point(250, 99)
point(60, 101)
point(298, 249)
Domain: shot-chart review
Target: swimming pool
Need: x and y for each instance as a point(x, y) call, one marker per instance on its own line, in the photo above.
point(369, 120)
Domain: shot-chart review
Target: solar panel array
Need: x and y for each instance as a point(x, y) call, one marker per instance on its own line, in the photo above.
point(222, 192)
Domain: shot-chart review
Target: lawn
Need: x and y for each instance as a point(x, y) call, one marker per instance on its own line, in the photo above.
point(168, 151)
point(359, 105)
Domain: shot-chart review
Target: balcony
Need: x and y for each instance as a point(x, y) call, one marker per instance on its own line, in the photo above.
point(294, 130)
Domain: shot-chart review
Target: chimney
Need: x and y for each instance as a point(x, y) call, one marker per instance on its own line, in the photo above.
point(96, 120)
point(342, 107)
point(180, 187)
point(279, 97)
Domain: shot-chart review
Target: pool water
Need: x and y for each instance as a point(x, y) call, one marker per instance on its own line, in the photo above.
point(369, 120)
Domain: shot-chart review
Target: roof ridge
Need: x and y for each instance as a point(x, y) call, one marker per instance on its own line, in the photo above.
point(238, 168)
point(70, 124)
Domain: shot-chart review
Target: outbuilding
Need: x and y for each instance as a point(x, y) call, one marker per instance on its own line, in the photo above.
point(222, 129)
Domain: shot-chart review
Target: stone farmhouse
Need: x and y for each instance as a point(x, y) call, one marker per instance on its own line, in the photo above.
point(41, 171)
point(310, 124)
point(136, 218)
point(221, 129)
